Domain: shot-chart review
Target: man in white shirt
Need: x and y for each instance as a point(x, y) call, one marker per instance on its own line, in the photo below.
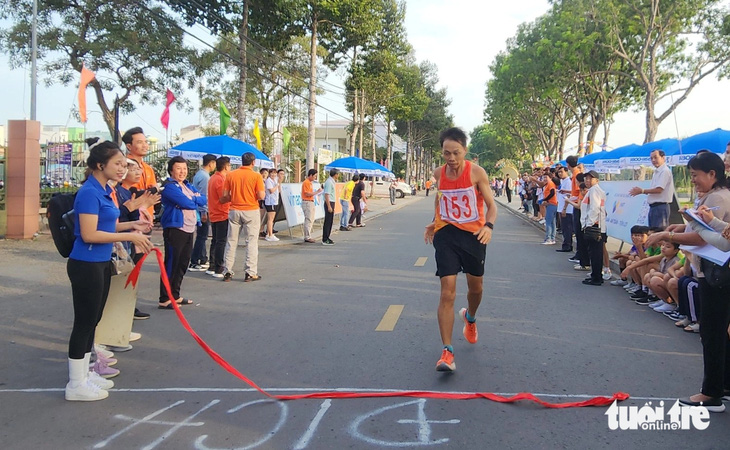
point(661, 192)
point(593, 215)
point(566, 210)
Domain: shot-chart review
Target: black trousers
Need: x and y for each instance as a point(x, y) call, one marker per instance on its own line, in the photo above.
point(566, 227)
point(178, 248)
point(219, 231)
point(90, 288)
point(580, 241)
point(357, 214)
point(509, 194)
point(595, 251)
point(329, 217)
point(714, 319)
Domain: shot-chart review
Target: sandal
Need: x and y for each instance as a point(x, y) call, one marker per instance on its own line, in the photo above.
point(168, 306)
point(185, 301)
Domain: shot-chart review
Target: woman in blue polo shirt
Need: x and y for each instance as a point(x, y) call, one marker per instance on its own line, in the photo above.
point(89, 265)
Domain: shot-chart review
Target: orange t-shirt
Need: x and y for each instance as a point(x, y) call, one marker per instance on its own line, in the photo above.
point(459, 202)
point(147, 181)
point(307, 190)
point(546, 191)
point(244, 184)
point(575, 187)
point(217, 211)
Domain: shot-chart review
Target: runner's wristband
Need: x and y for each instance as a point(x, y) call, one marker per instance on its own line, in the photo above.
point(489, 224)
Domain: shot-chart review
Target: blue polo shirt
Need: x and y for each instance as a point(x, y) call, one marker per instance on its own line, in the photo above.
point(93, 198)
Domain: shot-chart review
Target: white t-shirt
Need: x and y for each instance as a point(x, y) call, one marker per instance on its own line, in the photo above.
point(271, 199)
point(662, 178)
point(565, 185)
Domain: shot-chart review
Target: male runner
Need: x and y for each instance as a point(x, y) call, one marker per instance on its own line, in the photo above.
point(460, 233)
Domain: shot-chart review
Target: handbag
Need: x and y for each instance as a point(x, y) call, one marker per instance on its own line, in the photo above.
point(716, 275)
point(592, 233)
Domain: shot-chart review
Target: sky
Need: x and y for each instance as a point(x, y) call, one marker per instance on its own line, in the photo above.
point(461, 37)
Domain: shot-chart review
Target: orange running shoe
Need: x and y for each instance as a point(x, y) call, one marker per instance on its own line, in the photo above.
point(470, 329)
point(446, 363)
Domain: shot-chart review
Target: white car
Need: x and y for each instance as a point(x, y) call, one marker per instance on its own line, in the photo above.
point(380, 188)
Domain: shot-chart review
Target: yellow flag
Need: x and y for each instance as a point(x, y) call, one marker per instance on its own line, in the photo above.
point(257, 133)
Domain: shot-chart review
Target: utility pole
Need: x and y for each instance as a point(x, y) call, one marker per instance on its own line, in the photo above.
point(33, 57)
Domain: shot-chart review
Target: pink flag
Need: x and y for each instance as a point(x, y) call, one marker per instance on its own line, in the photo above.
point(165, 119)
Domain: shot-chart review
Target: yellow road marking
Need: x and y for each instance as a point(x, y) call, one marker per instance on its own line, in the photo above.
point(390, 318)
point(420, 262)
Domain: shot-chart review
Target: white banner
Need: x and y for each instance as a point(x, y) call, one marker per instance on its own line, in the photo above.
point(324, 156)
point(291, 195)
point(622, 210)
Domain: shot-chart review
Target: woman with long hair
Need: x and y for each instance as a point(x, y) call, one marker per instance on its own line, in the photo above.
point(89, 265)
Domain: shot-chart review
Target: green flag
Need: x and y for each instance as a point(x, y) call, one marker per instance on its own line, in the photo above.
point(287, 138)
point(225, 118)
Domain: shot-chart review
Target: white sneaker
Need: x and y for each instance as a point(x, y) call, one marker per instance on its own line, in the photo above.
point(665, 308)
point(271, 238)
point(84, 391)
point(607, 273)
point(134, 336)
point(630, 286)
point(583, 268)
point(100, 381)
point(209, 272)
point(694, 327)
point(217, 275)
point(655, 304)
point(205, 266)
point(619, 282)
point(541, 221)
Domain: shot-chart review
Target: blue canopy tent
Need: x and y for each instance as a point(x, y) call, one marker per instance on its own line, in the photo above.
point(642, 155)
point(353, 164)
point(221, 146)
point(611, 160)
point(714, 141)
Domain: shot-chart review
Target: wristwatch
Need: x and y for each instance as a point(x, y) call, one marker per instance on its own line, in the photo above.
point(489, 224)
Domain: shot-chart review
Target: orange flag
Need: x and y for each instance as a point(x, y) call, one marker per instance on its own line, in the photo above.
point(86, 77)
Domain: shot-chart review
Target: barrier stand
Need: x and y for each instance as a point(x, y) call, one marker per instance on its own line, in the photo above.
point(116, 320)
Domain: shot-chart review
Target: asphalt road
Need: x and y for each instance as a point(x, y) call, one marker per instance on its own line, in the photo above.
point(310, 326)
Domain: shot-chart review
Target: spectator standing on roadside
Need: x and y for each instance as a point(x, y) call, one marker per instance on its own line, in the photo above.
point(345, 202)
point(137, 147)
point(593, 215)
point(358, 193)
point(218, 216)
point(508, 186)
point(329, 206)
point(243, 188)
point(273, 188)
point(661, 192)
point(199, 260)
point(566, 210)
point(308, 195)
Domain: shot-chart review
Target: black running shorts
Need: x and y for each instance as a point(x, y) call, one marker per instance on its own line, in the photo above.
point(458, 251)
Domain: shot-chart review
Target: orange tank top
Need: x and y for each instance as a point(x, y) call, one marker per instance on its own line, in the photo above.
point(459, 202)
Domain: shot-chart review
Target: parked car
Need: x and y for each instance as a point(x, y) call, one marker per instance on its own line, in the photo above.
point(381, 185)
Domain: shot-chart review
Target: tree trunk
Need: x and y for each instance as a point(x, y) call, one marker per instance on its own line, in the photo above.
point(591, 136)
point(581, 132)
point(312, 95)
point(409, 150)
point(651, 123)
point(243, 73)
point(360, 149)
point(389, 152)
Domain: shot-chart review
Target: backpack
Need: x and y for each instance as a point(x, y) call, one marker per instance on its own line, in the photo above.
point(61, 222)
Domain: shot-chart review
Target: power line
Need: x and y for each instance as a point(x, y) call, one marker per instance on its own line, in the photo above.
point(238, 61)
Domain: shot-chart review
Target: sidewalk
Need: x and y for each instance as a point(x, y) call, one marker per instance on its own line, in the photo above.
point(613, 245)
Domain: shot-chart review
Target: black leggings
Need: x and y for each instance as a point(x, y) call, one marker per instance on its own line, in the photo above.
point(90, 287)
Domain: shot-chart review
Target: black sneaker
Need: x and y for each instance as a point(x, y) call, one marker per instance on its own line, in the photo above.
point(592, 282)
point(328, 242)
point(712, 405)
point(249, 278)
point(139, 315)
point(228, 276)
point(344, 229)
point(643, 301)
point(641, 294)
